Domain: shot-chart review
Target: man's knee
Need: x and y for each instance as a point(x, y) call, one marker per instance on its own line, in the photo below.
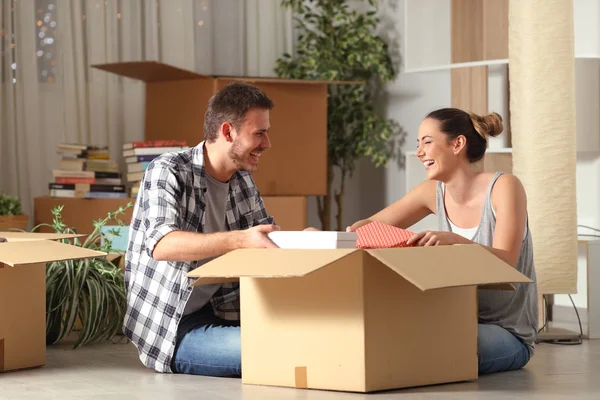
point(214, 351)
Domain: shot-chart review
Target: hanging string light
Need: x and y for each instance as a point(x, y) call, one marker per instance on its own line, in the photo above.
point(46, 32)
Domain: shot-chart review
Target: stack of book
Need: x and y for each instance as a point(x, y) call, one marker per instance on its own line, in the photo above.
point(139, 154)
point(86, 171)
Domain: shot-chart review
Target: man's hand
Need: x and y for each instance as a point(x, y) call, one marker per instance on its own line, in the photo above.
point(358, 224)
point(436, 238)
point(256, 237)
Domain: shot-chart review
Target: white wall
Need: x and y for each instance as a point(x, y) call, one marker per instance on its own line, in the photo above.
point(586, 14)
point(412, 97)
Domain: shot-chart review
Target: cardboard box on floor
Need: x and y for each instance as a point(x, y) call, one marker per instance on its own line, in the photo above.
point(359, 320)
point(23, 261)
point(176, 100)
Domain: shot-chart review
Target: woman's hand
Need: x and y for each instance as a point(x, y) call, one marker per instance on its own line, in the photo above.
point(358, 224)
point(436, 238)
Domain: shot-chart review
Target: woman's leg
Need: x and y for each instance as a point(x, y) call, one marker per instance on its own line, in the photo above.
point(499, 350)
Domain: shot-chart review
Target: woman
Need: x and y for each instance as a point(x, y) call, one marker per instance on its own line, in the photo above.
point(475, 207)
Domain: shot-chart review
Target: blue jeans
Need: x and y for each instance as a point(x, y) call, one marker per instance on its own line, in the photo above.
point(212, 347)
point(499, 350)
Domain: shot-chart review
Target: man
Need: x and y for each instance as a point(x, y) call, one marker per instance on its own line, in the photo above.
point(192, 206)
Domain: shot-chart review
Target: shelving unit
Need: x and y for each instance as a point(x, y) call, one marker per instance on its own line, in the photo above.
point(428, 24)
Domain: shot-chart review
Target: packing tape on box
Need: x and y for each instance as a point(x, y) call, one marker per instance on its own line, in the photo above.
point(1, 355)
point(2, 240)
point(301, 378)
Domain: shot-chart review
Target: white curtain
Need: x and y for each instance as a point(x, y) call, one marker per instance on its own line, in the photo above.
point(50, 95)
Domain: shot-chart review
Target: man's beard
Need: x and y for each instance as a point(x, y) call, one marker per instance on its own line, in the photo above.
point(240, 158)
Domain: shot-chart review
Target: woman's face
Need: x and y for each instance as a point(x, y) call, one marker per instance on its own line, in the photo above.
point(438, 155)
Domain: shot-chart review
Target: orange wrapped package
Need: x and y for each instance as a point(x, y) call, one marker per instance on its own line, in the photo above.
point(377, 235)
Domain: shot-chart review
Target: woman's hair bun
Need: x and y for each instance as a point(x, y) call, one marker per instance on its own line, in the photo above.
point(487, 125)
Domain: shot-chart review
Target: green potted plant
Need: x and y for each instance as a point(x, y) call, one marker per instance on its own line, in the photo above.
point(337, 42)
point(11, 213)
point(86, 297)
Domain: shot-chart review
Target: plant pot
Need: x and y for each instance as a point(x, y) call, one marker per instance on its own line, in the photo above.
point(8, 222)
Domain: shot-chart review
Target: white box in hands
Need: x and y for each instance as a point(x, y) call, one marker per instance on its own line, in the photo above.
point(314, 239)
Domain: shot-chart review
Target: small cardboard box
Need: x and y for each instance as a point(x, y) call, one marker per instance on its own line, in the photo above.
point(23, 261)
point(176, 100)
point(359, 320)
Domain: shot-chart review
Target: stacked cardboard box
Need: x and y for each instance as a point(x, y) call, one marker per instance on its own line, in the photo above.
point(86, 171)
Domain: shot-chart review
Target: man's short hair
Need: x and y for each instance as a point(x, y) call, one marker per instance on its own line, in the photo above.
point(231, 104)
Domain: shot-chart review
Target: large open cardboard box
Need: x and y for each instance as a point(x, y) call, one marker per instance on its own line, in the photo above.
point(359, 320)
point(176, 100)
point(23, 294)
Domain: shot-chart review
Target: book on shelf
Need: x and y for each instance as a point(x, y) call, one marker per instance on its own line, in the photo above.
point(71, 164)
point(83, 190)
point(87, 195)
point(143, 158)
point(61, 173)
point(138, 167)
point(135, 176)
point(88, 187)
point(155, 143)
point(143, 151)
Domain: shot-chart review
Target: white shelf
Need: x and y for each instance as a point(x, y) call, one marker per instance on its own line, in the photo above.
point(499, 150)
point(427, 25)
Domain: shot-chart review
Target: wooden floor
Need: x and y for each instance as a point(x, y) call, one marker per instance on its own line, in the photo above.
point(112, 371)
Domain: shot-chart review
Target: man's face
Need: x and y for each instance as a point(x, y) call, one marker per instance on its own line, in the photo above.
point(250, 140)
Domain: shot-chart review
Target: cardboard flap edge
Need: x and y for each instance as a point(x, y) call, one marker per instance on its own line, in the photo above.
point(247, 263)
point(502, 278)
point(149, 71)
point(33, 252)
point(35, 236)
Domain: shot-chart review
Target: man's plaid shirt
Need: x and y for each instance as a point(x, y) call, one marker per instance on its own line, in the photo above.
point(171, 197)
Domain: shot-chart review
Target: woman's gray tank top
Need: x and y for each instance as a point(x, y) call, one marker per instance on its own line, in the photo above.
point(515, 311)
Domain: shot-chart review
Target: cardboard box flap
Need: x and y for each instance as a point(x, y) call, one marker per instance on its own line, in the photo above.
point(32, 252)
point(31, 236)
point(283, 80)
point(438, 267)
point(149, 71)
point(266, 263)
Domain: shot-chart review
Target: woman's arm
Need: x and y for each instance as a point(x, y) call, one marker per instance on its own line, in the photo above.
point(510, 202)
